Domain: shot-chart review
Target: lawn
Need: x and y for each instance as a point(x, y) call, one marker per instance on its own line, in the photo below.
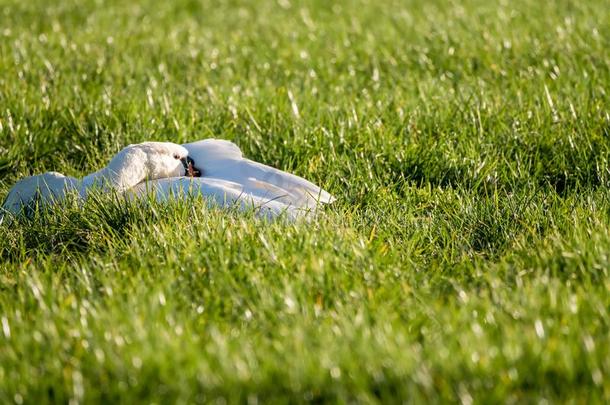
point(466, 258)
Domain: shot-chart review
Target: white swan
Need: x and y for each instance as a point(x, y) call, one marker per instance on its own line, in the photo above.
point(228, 179)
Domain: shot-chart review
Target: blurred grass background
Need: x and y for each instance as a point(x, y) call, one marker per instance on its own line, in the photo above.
point(466, 258)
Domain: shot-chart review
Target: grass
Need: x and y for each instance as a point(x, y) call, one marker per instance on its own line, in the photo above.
point(466, 258)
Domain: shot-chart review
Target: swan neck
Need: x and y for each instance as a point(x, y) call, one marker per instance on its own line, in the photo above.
point(120, 175)
point(104, 179)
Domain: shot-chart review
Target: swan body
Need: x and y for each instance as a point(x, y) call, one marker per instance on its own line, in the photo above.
point(46, 188)
point(223, 160)
point(218, 193)
point(159, 168)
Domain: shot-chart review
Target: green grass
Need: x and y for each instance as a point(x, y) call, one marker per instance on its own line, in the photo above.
point(466, 259)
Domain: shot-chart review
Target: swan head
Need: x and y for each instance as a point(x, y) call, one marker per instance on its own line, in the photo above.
point(145, 161)
point(166, 159)
point(162, 159)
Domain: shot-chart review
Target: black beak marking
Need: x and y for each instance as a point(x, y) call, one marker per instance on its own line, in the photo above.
point(185, 164)
point(189, 167)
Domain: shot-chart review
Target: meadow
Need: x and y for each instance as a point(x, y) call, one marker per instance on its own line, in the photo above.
point(465, 259)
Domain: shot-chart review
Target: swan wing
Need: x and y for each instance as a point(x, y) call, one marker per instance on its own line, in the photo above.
point(259, 178)
point(213, 150)
point(217, 192)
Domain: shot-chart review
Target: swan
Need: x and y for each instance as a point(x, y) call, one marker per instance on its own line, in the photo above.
point(213, 168)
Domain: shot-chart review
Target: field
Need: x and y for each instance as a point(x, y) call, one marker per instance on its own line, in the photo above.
point(466, 258)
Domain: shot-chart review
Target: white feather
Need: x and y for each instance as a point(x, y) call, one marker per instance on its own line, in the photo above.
point(46, 188)
point(218, 193)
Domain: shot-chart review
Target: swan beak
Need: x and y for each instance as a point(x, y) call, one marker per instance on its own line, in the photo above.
point(189, 167)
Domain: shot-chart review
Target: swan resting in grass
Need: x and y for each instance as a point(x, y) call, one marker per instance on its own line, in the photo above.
point(213, 168)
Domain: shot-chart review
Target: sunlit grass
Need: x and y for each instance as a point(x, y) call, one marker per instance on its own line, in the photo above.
point(466, 258)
